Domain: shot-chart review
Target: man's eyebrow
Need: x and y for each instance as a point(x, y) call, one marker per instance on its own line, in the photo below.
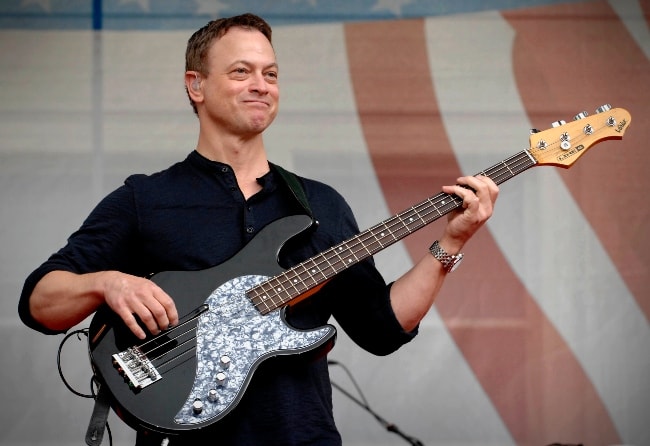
point(246, 62)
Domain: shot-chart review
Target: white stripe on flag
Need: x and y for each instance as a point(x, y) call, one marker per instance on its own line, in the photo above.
point(631, 14)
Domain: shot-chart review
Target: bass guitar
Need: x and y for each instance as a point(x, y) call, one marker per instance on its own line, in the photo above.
point(233, 314)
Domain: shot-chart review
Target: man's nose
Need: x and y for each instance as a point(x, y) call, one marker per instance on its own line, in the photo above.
point(259, 84)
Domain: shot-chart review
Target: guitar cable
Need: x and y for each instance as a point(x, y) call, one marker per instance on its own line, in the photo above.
point(93, 380)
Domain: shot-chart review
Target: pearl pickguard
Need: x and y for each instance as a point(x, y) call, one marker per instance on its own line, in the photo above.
point(233, 328)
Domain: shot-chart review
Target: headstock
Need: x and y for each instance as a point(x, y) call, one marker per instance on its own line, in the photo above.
point(564, 143)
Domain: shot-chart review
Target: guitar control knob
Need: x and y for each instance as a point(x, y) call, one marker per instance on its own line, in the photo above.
point(197, 406)
point(224, 362)
point(559, 123)
point(221, 379)
point(581, 115)
point(213, 396)
point(603, 108)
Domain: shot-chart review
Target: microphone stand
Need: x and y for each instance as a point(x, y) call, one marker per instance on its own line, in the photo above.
point(390, 427)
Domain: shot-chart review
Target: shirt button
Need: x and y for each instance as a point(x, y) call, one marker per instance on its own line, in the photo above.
point(250, 229)
point(224, 169)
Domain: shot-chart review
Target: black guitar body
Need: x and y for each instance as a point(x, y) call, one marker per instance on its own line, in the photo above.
point(194, 374)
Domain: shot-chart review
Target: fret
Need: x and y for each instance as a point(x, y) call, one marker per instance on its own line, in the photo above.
point(275, 293)
point(266, 294)
point(276, 289)
point(295, 282)
point(378, 238)
point(365, 246)
point(389, 232)
point(330, 265)
point(341, 258)
point(511, 173)
point(402, 230)
point(307, 274)
point(304, 277)
point(354, 249)
point(414, 221)
point(440, 214)
point(376, 243)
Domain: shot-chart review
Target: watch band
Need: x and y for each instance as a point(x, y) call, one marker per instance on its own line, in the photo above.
point(449, 262)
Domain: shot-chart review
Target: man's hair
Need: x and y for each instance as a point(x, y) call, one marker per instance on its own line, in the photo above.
point(199, 44)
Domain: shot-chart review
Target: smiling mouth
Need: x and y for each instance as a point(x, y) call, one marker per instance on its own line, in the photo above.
point(257, 102)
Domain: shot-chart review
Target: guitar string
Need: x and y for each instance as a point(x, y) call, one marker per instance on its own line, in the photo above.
point(192, 317)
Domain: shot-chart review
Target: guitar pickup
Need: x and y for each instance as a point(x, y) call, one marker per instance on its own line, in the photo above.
point(136, 368)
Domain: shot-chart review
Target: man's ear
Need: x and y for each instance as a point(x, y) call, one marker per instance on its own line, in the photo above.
point(196, 85)
point(193, 85)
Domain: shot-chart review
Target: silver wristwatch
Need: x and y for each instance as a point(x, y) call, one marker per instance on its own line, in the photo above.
point(449, 262)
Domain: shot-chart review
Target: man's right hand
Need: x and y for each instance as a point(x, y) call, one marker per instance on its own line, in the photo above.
point(129, 296)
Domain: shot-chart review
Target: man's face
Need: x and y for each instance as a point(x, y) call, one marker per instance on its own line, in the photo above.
point(241, 90)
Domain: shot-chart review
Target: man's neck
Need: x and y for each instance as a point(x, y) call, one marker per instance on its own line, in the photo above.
point(246, 157)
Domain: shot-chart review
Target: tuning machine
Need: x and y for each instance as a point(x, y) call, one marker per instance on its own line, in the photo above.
point(611, 121)
point(581, 115)
point(603, 108)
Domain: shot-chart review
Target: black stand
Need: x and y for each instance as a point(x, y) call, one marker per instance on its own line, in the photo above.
point(390, 427)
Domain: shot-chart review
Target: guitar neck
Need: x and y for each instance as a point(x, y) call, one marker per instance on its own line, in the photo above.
point(559, 146)
point(315, 271)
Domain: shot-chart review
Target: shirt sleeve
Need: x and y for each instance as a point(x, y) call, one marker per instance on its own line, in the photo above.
point(100, 244)
point(363, 309)
point(358, 297)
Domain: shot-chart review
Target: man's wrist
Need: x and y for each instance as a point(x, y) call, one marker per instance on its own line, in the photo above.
point(449, 261)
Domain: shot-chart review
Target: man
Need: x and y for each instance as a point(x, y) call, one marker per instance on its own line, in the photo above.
point(203, 210)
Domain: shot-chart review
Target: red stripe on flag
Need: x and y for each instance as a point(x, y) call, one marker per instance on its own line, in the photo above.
point(533, 379)
point(574, 56)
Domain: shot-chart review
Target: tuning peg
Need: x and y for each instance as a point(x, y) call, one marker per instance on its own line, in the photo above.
point(533, 131)
point(603, 108)
point(565, 141)
point(581, 115)
point(559, 123)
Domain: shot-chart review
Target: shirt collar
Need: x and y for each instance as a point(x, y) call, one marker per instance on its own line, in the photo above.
point(268, 181)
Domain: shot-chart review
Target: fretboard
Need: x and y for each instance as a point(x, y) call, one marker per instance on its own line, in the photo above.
point(280, 290)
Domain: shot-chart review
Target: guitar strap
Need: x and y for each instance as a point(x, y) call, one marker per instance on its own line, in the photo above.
point(97, 424)
point(294, 185)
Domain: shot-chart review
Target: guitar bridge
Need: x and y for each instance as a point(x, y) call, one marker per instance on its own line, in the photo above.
point(136, 368)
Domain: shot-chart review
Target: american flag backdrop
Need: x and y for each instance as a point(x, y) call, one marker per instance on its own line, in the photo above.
point(541, 336)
